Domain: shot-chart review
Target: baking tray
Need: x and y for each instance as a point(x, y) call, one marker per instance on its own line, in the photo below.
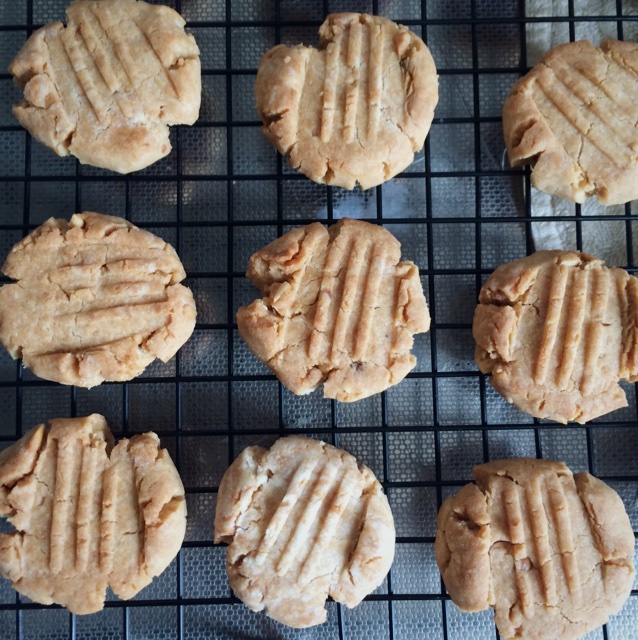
point(224, 192)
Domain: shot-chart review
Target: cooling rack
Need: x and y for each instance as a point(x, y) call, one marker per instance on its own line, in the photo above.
point(224, 192)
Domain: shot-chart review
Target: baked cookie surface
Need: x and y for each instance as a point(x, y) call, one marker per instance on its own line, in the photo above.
point(95, 299)
point(356, 109)
point(557, 331)
point(551, 552)
point(574, 118)
point(303, 522)
point(105, 87)
point(87, 514)
point(339, 307)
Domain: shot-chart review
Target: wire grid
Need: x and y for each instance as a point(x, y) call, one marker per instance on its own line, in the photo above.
point(224, 192)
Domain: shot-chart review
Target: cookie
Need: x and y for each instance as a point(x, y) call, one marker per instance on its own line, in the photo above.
point(105, 87)
point(573, 118)
point(551, 552)
point(557, 331)
point(87, 514)
point(338, 308)
point(95, 299)
point(303, 522)
point(356, 109)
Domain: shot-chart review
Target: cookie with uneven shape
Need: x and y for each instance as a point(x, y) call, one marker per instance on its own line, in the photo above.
point(557, 330)
point(87, 514)
point(550, 552)
point(105, 87)
point(303, 522)
point(95, 299)
point(356, 109)
point(339, 307)
point(573, 117)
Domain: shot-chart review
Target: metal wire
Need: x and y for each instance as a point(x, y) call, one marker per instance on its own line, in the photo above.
point(227, 429)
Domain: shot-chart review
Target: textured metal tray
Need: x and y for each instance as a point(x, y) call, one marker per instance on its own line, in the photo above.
point(221, 194)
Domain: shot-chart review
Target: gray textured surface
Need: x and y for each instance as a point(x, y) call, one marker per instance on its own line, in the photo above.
point(234, 195)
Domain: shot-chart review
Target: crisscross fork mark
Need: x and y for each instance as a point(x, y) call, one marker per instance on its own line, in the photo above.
point(81, 64)
point(376, 270)
point(375, 79)
point(539, 524)
point(294, 491)
point(355, 46)
point(571, 114)
point(576, 85)
point(562, 522)
point(108, 525)
point(167, 75)
point(332, 76)
point(595, 330)
point(342, 496)
point(516, 526)
point(88, 516)
point(323, 487)
point(352, 296)
point(65, 498)
point(103, 51)
point(330, 294)
point(555, 302)
point(573, 338)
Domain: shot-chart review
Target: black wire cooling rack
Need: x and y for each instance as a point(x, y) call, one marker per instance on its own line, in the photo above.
point(224, 192)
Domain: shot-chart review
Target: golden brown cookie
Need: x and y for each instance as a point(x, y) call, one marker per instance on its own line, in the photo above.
point(87, 514)
point(356, 109)
point(105, 87)
point(557, 331)
point(303, 522)
point(574, 117)
point(551, 552)
point(95, 299)
point(339, 307)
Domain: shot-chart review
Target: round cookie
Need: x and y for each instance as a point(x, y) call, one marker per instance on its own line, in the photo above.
point(94, 299)
point(551, 552)
point(573, 117)
point(339, 307)
point(356, 109)
point(303, 522)
point(557, 331)
point(105, 87)
point(87, 514)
